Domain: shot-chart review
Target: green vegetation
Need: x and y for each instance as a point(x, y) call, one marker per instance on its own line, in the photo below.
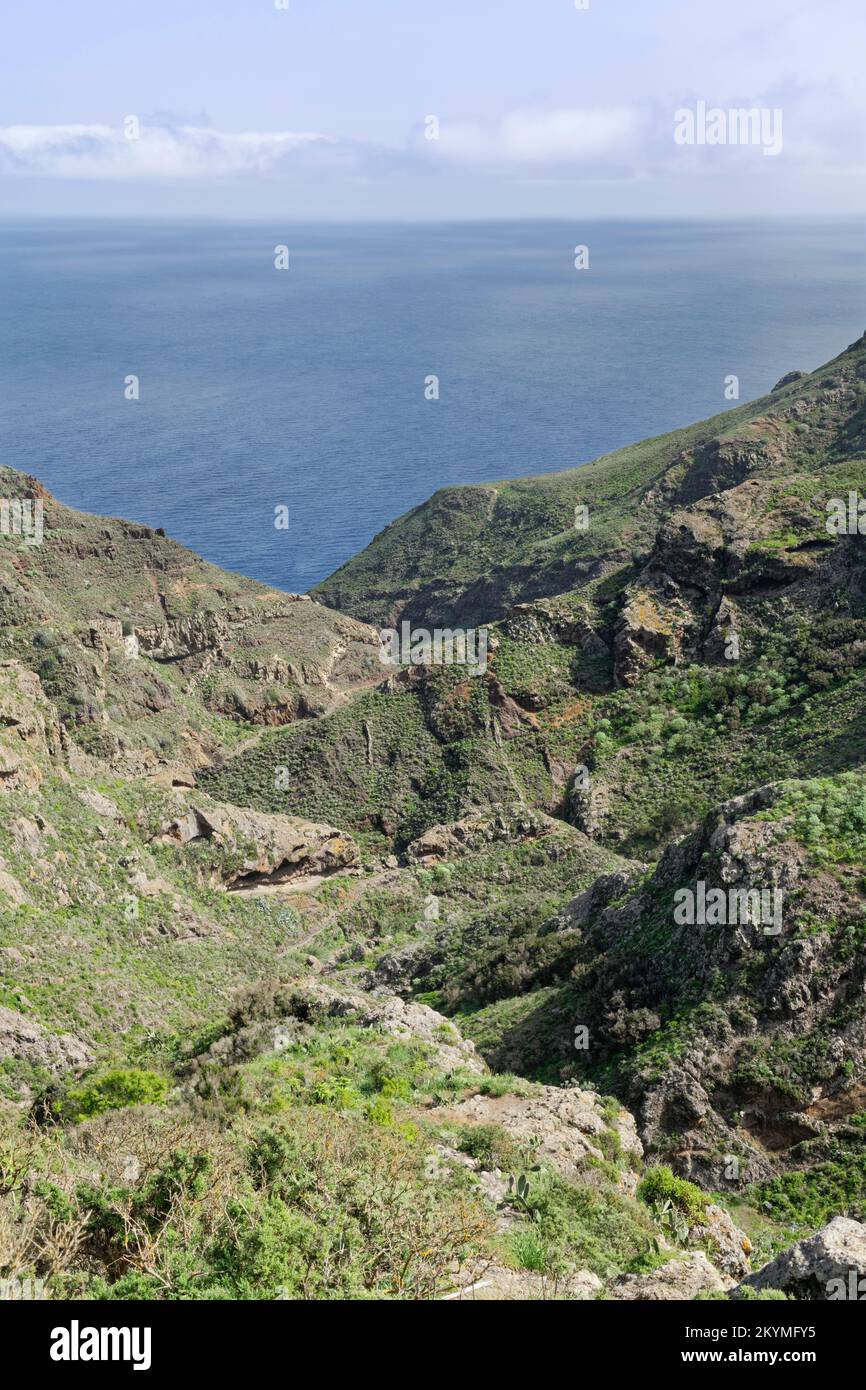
point(806, 1199)
point(660, 1185)
point(217, 1072)
point(112, 1091)
point(310, 1172)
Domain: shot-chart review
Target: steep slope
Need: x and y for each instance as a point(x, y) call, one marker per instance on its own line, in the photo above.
point(471, 553)
point(207, 787)
point(736, 1033)
point(150, 654)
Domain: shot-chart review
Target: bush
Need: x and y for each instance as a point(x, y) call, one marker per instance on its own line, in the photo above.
point(490, 1145)
point(590, 1227)
point(112, 1091)
point(813, 1197)
point(661, 1185)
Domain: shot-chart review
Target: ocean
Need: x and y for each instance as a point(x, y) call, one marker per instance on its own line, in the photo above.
point(305, 388)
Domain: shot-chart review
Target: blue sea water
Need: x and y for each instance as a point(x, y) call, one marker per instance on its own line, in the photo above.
point(306, 387)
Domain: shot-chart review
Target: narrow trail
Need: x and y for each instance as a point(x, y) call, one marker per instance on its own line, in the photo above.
point(308, 884)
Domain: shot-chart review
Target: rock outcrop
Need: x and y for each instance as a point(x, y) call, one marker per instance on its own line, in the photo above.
point(682, 1279)
point(30, 731)
point(708, 1105)
point(267, 1018)
point(253, 848)
point(497, 1284)
point(828, 1266)
point(24, 1039)
point(505, 824)
point(134, 638)
point(565, 1125)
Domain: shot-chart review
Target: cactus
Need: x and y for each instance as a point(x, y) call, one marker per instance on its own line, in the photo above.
point(518, 1190)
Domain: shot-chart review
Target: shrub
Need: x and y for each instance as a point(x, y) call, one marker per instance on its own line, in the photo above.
point(530, 1251)
point(591, 1227)
point(813, 1197)
point(661, 1185)
point(489, 1144)
point(112, 1091)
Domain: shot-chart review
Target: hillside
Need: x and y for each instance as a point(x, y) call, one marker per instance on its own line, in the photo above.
point(470, 554)
point(320, 980)
point(148, 653)
point(613, 648)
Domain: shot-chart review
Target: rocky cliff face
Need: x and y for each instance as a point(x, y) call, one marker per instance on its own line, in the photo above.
point(737, 1033)
point(146, 651)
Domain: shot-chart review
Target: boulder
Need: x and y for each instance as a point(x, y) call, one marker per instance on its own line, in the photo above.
point(788, 379)
point(254, 847)
point(404, 1020)
point(680, 1279)
point(828, 1266)
point(25, 1040)
point(568, 1124)
point(10, 888)
point(475, 832)
point(730, 1247)
point(398, 970)
point(27, 834)
point(647, 631)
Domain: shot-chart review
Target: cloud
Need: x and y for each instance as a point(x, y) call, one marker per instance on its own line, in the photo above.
point(597, 142)
point(535, 141)
point(535, 138)
point(141, 151)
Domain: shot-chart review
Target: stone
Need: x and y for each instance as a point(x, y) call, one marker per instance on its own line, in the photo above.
point(10, 888)
point(828, 1266)
point(680, 1279)
point(566, 1123)
point(509, 824)
point(497, 1283)
point(729, 1245)
point(276, 848)
point(26, 1040)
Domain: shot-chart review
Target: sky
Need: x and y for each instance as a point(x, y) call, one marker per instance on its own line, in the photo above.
point(431, 109)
